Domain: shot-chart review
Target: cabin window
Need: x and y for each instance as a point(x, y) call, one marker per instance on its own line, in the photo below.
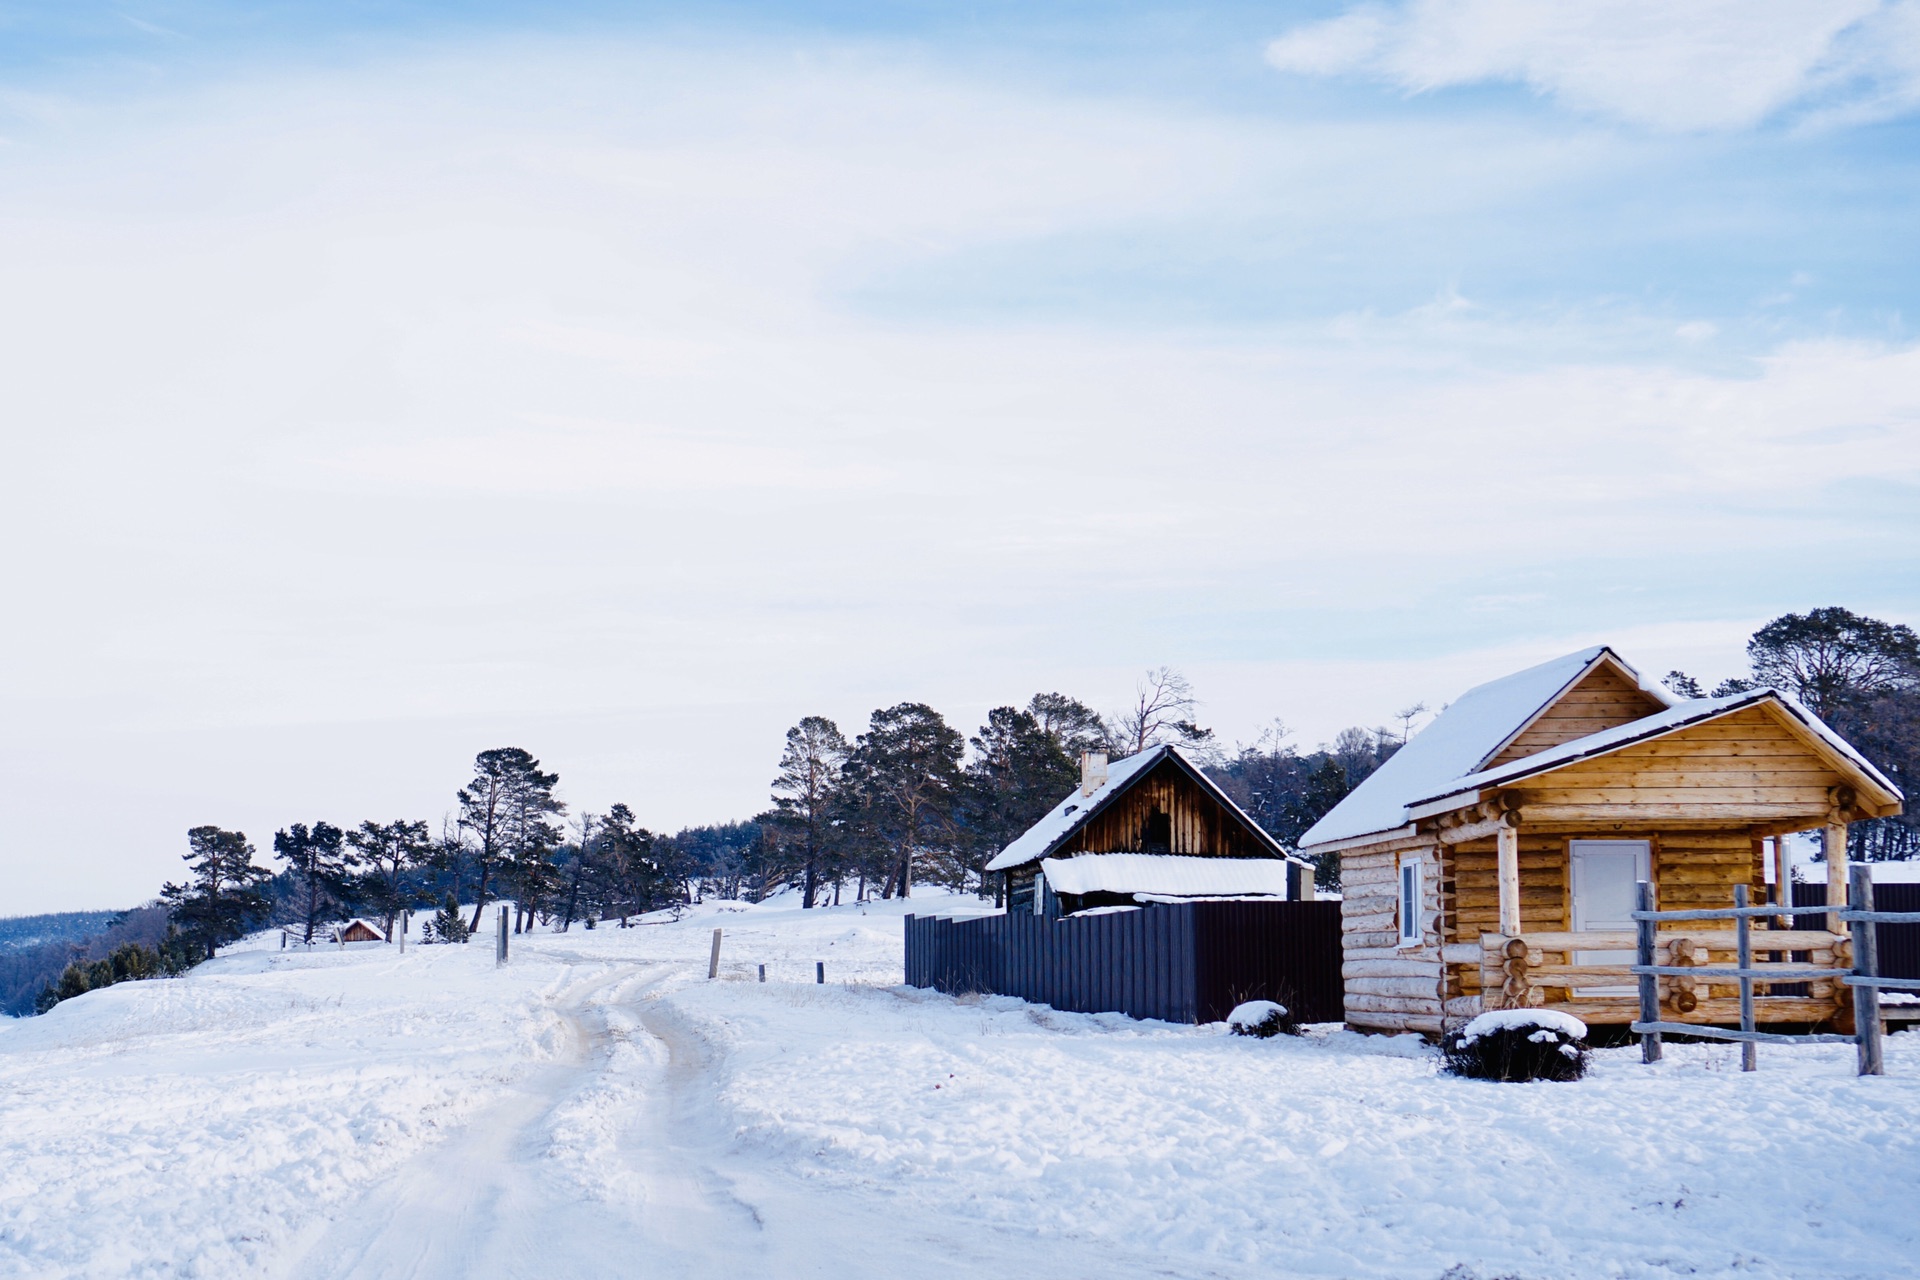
point(1159, 836)
point(1410, 903)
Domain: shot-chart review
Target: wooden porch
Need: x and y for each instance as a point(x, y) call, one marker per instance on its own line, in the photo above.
point(1538, 970)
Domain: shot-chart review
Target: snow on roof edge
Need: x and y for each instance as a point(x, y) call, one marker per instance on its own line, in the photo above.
point(1472, 728)
point(1673, 719)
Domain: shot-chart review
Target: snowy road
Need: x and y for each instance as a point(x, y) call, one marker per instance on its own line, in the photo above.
point(597, 1107)
point(674, 1196)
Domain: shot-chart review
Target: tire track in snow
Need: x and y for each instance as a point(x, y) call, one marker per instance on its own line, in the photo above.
point(483, 1203)
point(684, 1200)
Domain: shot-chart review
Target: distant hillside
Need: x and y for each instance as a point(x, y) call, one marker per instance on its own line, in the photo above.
point(18, 933)
point(34, 949)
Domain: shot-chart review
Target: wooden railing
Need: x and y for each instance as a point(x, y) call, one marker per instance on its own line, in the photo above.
point(1539, 969)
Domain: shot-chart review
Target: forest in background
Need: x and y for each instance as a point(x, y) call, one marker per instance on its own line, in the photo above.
point(910, 800)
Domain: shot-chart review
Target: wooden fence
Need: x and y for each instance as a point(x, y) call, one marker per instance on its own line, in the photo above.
point(1180, 962)
point(1862, 914)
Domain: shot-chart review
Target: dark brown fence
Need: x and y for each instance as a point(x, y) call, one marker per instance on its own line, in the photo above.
point(1899, 943)
point(1185, 962)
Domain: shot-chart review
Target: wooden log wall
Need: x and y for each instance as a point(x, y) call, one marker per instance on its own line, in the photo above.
point(1389, 988)
point(1602, 700)
point(1199, 824)
point(1691, 869)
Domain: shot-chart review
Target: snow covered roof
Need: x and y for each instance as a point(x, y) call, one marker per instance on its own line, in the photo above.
point(1677, 717)
point(1458, 742)
point(1067, 817)
point(1449, 757)
point(1171, 875)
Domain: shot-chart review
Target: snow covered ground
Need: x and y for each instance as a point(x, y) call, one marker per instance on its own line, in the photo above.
point(597, 1107)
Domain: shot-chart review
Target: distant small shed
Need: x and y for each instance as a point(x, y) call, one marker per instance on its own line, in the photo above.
point(358, 931)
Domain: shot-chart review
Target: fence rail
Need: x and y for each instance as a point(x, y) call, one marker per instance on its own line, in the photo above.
point(1180, 962)
point(1866, 979)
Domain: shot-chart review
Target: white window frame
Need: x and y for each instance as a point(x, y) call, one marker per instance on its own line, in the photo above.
point(1410, 886)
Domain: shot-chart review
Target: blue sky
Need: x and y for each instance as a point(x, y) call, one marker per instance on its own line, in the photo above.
point(389, 382)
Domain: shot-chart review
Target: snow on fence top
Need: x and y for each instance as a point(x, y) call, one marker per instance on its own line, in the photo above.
point(1167, 874)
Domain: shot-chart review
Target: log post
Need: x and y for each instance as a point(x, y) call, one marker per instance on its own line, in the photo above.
point(1866, 963)
point(1743, 951)
point(713, 960)
point(1836, 851)
point(1649, 983)
point(1509, 844)
point(500, 940)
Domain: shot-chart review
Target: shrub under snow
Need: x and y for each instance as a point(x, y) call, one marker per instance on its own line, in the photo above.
point(1519, 1044)
point(1262, 1018)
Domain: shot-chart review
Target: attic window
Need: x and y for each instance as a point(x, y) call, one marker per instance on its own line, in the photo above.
point(1159, 833)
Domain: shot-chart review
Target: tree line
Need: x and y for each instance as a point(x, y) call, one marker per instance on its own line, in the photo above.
point(908, 801)
point(1862, 676)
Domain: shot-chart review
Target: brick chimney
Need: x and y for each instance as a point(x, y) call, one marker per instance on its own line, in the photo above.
point(1093, 771)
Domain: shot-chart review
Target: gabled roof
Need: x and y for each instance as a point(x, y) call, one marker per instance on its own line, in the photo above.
point(1449, 757)
point(1067, 817)
point(1694, 711)
point(1460, 741)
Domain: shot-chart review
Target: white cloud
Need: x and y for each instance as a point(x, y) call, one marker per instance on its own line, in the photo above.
point(359, 422)
point(1718, 64)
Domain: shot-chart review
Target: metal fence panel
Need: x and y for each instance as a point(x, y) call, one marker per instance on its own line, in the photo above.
point(1185, 962)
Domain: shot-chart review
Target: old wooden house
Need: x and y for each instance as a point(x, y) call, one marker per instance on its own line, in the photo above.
point(358, 931)
point(1492, 862)
point(1149, 828)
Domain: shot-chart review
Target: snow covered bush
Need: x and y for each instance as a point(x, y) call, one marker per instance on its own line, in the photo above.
point(1262, 1018)
point(1519, 1044)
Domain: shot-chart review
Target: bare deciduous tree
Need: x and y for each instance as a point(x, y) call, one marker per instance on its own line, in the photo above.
point(1163, 710)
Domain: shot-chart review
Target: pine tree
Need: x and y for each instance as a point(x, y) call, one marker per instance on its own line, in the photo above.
point(1018, 772)
point(322, 869)
point(805, 793)
point(389, 854)
point(504, 814)
point(222, 898)
point(446, 924)
point(903, 774)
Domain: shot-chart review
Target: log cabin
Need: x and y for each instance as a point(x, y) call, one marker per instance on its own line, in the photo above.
point(1149, 828)
point(1492, 861)
point(358, 931)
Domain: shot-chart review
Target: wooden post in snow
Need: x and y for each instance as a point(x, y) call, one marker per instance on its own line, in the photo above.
point(1649, 984)
point(500, 941)
point(1866, 963)
point(1743, 950)
point(1509, 844)
point(713, 961)
point(820, 971)
point(763, 973)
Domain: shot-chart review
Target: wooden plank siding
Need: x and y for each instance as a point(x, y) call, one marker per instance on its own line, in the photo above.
point(1693, 774)
point(1602, 699)
point(1198, 823)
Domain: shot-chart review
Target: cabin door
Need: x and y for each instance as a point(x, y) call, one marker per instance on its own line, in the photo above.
point(1603, 874)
